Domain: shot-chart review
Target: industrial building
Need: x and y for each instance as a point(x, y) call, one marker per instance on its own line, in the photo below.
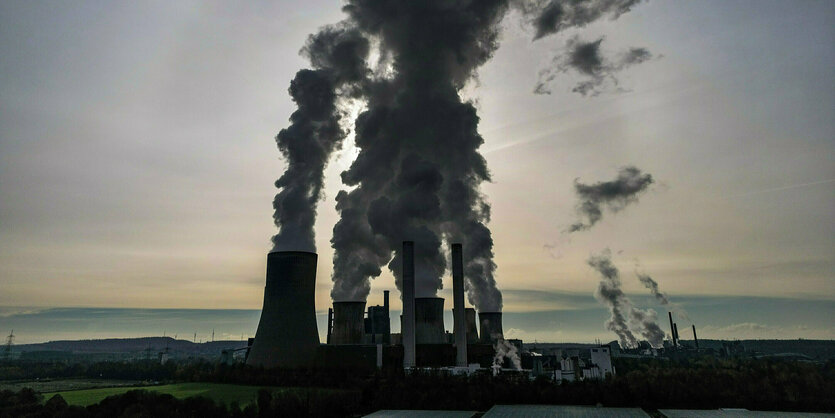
point(359, 336)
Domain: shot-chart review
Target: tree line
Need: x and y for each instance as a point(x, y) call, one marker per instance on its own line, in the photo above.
point(703, 383)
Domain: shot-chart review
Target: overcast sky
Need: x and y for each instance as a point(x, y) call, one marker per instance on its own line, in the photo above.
point(137, 157)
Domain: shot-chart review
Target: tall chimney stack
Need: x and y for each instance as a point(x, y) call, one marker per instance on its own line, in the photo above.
point(408, 331)
point(675, 333)
point(458, 311)
point(672, 328)
point(387, 333)
point(695, 339)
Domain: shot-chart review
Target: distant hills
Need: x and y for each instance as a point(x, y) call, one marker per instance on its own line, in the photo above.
point(133, 345)
point(815, 349)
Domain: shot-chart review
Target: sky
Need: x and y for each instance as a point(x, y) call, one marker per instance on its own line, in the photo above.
point(137, 160)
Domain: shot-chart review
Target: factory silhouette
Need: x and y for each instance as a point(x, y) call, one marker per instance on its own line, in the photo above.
point(287, 334)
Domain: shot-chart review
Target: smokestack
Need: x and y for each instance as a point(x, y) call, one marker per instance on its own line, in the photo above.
point(330, 324)
point(672, 328)
point(491, 327)
point(387, 334)
point(429, 321)
point(458, 313)
point(348, 322)
point(408, 321)
point(675, 333)
point(695, 339)
point(472, 328)
point(287, 335)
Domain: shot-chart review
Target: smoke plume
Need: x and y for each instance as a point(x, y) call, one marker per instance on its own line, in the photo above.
point(661, 297)
point(338, 56)
point(418, 172)
point(551, 16)
point(588, 60)
point(626, 320)
point(506, 350)
point(615, 195)
point(652, 285)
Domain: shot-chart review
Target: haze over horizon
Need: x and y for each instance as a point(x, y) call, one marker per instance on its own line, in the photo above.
point(137, 161)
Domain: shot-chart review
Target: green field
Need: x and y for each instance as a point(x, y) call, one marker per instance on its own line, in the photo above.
point(216, 391)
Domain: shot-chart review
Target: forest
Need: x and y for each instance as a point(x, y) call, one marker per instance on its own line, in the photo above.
point(702, 383)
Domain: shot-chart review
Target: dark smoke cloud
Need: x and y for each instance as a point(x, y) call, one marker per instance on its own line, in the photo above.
point(625, 319)
point(615, 195)
point(587, 59)
point(338, 57)
point(418, 172)
point(551, 16)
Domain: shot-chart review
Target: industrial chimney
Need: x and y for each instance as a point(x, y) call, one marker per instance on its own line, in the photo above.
point(458, 311)
point(387, 330)
point(348, 323)
point(472, 328)
point(672, 328)
point(287, 335)
point(429, 321)
point(675, 333)
point(491, 327)
point(695, 339)
point(408, 295)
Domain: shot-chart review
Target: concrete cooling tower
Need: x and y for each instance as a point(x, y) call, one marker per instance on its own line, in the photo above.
point(348, 324)
point(429, 321)
point(472, 328)
point(491, 327)
point(287, 335)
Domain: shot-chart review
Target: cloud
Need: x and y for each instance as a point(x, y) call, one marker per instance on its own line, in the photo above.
point(552, 16)
point(614, 195)
point(10, 311)
point(587, 59)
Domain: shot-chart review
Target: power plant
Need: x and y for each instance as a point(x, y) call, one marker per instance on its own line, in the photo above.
point(360, 336)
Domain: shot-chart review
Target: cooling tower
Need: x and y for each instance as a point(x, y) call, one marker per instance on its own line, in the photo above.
point(408, 295)
point(429, 321)
point(348, 325)
point(287, 335)
point(491, 327)
point(472, 328)
point(459, 320)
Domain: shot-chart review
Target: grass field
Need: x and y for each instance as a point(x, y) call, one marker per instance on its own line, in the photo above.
point(63, 385)
point(216, 391)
